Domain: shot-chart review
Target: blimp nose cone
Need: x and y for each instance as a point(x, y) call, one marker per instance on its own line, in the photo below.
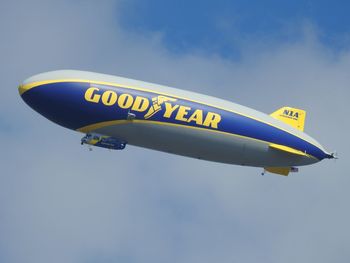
point(41, 99)
point(60, 102)
point(29, 97)
point(20, 89)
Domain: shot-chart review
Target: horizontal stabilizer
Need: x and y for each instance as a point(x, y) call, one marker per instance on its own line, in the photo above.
point(278, 170)
point(281, 170)
point(286, 149)
point(292, 116)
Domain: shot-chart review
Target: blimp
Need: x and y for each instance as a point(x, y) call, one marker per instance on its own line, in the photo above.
point(113, 112)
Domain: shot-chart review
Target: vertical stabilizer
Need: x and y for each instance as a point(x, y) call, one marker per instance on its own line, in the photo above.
point(292, 116)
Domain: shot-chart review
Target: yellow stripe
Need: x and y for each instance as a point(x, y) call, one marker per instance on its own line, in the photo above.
point(100, 125)
point(287, 149)
point(26, 87)
point(93, 127)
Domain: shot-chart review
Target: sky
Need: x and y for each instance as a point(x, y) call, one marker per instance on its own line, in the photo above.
point(60, 202)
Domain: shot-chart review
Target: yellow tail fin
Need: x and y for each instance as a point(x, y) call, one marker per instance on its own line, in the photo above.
point(281, 170)
point(278, 170)
point(292, 116)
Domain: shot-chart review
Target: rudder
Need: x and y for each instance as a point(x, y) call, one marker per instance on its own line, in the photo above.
point(292, 116)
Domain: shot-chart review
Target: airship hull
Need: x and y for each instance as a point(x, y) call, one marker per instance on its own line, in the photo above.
point(170, 120)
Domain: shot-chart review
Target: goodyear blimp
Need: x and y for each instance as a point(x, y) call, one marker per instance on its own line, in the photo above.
point(114, 111)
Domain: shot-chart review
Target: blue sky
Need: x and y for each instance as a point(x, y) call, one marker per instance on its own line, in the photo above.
point(220, 26)
point(60, 202)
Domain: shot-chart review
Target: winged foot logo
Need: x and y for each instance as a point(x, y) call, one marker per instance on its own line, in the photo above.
point(158, 104)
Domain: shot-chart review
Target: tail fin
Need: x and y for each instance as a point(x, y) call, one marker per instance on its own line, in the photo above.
point(292, 116)
point(281, 170)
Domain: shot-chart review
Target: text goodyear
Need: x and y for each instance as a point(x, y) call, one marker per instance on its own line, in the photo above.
point(182, 113)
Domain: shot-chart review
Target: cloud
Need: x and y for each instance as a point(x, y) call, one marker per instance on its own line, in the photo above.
point(62, 203)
